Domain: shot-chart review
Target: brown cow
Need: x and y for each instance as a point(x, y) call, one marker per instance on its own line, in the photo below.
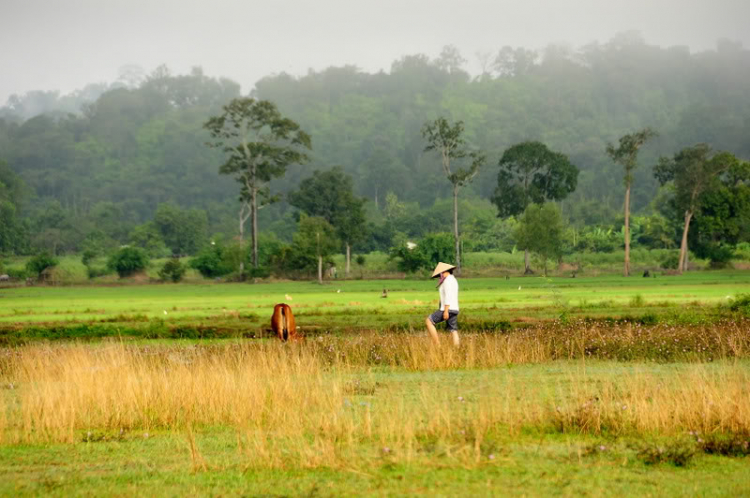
point(282, 322)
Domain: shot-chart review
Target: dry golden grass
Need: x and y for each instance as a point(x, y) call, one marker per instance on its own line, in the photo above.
point(629, 341)
point(305, 403)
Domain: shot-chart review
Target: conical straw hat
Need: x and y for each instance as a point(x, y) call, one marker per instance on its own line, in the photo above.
point(440, 268)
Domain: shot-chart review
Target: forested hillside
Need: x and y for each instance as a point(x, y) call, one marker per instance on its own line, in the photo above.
point(96, 175)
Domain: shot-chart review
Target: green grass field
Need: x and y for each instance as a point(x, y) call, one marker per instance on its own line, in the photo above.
point(358, 303)
point(367, 406)
point(527, 465)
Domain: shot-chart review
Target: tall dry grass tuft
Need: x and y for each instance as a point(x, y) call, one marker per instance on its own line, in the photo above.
point(66, 389)
point(312, 404)
point(626, 341)
point(700, 398)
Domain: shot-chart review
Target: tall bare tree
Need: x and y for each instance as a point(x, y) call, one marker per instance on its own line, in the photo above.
point(627, 155)
point(260, 144)
point(448, 141)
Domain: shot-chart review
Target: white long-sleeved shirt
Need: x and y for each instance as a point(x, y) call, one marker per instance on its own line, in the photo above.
point(449, 293)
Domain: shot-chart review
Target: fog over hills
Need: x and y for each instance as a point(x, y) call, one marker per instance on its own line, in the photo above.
point(67, 44)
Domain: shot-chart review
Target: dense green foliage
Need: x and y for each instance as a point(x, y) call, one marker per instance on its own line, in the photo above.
point(313, 244)
point(99, 176)
point(41, 262)
point(213, 261)
point(172, 270)
point(329, 194)
point(540, 229)
point(715, 189)
point(531, 173)
point(432, 249)
point(183, 232)
point(13, 231)
point(128, 261)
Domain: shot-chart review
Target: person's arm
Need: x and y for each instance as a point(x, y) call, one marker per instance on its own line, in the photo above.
point(445, 312)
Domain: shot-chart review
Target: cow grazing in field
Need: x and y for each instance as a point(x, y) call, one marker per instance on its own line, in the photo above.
point(282, 322)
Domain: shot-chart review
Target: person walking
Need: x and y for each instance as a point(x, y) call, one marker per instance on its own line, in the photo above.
point(448, 311)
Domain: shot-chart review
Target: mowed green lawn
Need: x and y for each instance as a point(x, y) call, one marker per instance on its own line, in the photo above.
point(359, 302)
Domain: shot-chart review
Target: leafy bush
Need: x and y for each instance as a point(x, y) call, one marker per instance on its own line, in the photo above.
point(426, 254)
point(147, 237)
point(18, 273)
point(741, 303)
point(497, 237)
point(97, 271)
point(678, 453)
point(719, 255)
point(260, 272)
point(671, 261)
point(172, 270)
point(410, 259)
point(598, 239)
point(128, 261)
point(88, 256)
point(732, 445)
point(41, 262)
point(212, 261)
point(742, 251)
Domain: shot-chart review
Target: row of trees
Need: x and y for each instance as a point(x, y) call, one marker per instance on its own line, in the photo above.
point(260, 144)
point(530, 177)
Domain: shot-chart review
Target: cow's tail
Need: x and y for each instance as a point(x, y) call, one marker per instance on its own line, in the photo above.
point(284, 326)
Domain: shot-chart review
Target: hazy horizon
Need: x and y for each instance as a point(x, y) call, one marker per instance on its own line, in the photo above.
point(71, 43)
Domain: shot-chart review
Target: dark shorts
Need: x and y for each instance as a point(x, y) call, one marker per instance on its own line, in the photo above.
point(452, 322)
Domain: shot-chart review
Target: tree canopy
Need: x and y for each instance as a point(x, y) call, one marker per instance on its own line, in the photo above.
point(531, 173)
point(259, 144)
point(329, 194)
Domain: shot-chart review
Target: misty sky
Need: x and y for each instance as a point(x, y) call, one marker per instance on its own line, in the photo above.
point(65, 44)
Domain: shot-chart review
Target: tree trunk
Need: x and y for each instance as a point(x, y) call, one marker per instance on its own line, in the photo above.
point(242, 236)
point(320, 270)
point(626, 269)
point(348, 258)
point(455, 229)
point(682, 264)
point(255, 227)
point(526, 264)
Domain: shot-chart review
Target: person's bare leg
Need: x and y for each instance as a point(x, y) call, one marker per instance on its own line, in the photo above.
point(454, 336)
point(431, 329)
